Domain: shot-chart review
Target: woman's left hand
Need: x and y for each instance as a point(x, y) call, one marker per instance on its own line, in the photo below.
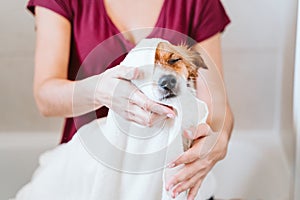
point(208, 147)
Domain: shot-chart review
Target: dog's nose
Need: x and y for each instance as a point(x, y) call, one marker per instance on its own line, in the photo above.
point(167, 82)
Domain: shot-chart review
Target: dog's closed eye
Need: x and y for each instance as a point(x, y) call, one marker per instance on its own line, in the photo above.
point(172, 61)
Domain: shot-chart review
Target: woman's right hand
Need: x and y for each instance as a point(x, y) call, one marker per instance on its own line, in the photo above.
point(115, 91)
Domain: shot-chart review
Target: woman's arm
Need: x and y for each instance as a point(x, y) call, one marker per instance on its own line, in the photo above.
point(52, 90)
point(211, 87)
point(57, 96)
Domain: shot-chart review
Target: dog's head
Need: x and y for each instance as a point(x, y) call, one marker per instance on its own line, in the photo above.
point(176, 69)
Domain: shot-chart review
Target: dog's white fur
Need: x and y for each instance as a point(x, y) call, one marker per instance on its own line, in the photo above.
point(101, 162)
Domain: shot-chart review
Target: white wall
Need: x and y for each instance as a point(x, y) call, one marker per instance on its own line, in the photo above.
point(297, 110)
point(259, 66)
point(255, 61)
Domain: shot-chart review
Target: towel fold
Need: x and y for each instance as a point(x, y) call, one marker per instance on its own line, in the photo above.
point(114, 159)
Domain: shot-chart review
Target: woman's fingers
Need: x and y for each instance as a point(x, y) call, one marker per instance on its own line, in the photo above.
point(138, 98)
point(146, 118)
point(194, 190)
point(200, 149)
point(184, 186)
point(183, 175)
point(127, 100)
point(156, 118)
point(128, 73)
point(188, 156)
point(201, 130)
point(132, 117)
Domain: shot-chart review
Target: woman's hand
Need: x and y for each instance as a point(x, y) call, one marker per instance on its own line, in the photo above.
point(117, 93)
point(208, 148)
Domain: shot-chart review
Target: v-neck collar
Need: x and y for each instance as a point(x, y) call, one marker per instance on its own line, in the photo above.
point(117, 30)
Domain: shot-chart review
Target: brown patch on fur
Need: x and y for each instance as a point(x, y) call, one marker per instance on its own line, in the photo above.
point(183, 60)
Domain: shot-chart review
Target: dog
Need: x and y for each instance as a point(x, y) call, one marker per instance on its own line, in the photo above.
point(115, 159)
point(177, 61)
point(179, 68)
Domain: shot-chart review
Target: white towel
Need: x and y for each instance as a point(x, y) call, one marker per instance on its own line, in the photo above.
point(114, 159)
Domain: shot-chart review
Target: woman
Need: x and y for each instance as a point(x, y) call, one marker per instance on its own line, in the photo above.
point(68, 31)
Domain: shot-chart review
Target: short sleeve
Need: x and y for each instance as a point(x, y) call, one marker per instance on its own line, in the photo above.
point(61, 7)
point(210, 18)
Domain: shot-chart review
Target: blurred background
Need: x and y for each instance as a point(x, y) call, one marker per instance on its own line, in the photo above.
point(259, 62)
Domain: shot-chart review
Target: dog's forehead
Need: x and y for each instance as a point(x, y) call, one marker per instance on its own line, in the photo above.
point(143, 54)
point(165, 47)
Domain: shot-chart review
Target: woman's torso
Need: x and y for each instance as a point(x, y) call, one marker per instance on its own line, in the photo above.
point(98, 40)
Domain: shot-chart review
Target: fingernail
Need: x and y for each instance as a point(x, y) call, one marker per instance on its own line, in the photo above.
point(170, 187)
point(177, 193)
point(171, 165)
point(171, 116)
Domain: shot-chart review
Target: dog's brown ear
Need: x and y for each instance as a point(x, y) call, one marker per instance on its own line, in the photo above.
point(198, 60)
point(197, 63)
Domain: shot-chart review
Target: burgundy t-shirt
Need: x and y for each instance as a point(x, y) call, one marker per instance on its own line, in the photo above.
point(94, 49)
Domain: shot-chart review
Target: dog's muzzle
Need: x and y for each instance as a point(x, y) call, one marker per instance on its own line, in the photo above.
point(168, 85)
